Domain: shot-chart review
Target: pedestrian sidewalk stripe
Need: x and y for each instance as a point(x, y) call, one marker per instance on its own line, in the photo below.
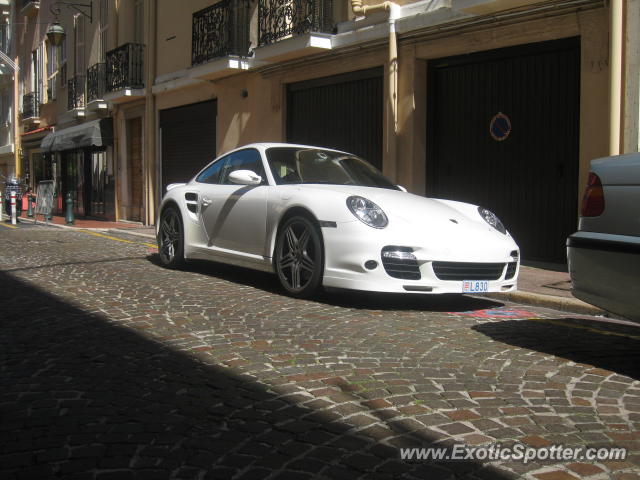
point(96, 234)
point(8, 226)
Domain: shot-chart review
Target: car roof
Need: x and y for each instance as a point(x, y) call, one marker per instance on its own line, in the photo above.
point(283, 144)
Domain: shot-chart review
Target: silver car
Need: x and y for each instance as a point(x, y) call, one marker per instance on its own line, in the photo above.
point(604, 254)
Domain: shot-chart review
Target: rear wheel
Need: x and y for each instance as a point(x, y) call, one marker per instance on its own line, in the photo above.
point(299, 257)
point(171, 238)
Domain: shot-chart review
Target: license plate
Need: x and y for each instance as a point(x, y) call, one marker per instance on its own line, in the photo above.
point(475, 286)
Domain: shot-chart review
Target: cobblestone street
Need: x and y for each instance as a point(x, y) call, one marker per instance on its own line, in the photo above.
point(112, 367)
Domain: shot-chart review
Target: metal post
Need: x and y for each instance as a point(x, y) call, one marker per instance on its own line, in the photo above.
point(13, 208)
point(1, 206)
point(69, 215)
point(29, 205)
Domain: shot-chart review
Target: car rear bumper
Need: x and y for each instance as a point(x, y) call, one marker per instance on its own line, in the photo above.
point(604, 271)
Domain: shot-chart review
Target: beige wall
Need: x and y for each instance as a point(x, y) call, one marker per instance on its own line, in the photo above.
point(174, 33)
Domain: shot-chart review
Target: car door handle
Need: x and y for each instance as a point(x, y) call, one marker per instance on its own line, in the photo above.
point(206, 201)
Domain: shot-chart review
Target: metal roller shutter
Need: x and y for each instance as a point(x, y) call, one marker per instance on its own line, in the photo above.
point(342, 112)
point(188, 140)
point(503, 132)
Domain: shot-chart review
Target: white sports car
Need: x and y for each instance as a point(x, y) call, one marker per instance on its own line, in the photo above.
point(320, 217)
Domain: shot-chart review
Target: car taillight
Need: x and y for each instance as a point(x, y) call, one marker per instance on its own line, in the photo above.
point(593, 200)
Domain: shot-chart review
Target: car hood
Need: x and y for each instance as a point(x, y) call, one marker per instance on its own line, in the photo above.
point(420, 212)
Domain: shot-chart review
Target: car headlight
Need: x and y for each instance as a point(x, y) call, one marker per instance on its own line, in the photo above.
point(492, 219)
point(367, 212)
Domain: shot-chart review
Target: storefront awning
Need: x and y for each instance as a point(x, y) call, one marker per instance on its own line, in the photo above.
point(97, 133)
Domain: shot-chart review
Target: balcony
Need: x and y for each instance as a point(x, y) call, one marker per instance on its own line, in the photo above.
point(96, 86)
point(75, 92)
point(125, 73)
point(220, 39)
point(303, 24)
point(220, 30)
point(30, 106)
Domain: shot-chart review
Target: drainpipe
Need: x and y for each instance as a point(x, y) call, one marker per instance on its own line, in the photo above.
point(394, 13)
point(616, 15)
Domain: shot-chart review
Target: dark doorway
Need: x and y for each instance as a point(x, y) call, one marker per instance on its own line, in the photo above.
point(188, 140)
point(134, 148)
point(344, 112)
point(503, 132)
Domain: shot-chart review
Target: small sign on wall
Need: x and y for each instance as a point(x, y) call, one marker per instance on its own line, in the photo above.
point(500, 127)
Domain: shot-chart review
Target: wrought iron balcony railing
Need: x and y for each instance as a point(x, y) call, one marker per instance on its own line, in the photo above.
point(280, 19)
point(26, 3)
point(124, 67)
point(30, 105)
point(220, 30)
point(96, 82)
point(75, 92)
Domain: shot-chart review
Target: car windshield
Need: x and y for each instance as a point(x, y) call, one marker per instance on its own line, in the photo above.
point(295, 165)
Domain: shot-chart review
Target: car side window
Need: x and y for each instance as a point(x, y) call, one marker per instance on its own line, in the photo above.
point(211, 174)
point(249, 159)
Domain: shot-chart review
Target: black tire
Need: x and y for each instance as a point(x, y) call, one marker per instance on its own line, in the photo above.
point(171, 238)
point(299, 257)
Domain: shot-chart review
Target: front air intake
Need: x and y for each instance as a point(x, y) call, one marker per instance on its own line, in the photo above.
point(400, 262)
point(467, 271)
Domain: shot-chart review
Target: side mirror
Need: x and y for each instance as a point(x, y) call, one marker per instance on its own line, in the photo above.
point(245, 177)
point(402, 188)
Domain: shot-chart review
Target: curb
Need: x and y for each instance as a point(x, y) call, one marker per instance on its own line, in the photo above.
point(571, 305)
point(127, 232)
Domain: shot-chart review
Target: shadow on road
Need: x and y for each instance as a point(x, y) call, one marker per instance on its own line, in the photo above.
point(340, 298)
point(609, 346)
point(83, 397)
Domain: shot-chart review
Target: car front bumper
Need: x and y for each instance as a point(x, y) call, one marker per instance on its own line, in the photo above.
point(352, 247)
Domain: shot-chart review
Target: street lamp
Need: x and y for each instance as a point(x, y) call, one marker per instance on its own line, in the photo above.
point(55, 32)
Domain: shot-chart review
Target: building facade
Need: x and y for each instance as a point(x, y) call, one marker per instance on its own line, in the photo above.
point(502, 103)
point(7, 111)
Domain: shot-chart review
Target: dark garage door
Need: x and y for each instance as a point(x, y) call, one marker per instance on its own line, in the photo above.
point(503, 133)
point(342, 112)
point(188, 140)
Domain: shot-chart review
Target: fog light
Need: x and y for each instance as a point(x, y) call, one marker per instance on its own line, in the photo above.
point(370, 264)
point(398, 255)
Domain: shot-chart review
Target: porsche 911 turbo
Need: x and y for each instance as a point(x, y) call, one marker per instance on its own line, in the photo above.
point(320, 217)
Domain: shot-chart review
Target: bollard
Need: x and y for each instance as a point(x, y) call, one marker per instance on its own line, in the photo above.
point(29, 206)
point(13, 208)
point(69, 215)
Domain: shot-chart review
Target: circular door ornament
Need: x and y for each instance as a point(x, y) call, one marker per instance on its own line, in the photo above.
point(500, 127)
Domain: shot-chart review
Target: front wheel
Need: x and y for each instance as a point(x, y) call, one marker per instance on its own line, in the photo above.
point(299, 257)
point(171, 238)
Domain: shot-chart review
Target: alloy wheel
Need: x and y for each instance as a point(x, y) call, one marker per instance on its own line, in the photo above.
point(170, 238)
point(299, 259)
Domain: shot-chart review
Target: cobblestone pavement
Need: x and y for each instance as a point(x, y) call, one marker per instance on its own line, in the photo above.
point(112, 367)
